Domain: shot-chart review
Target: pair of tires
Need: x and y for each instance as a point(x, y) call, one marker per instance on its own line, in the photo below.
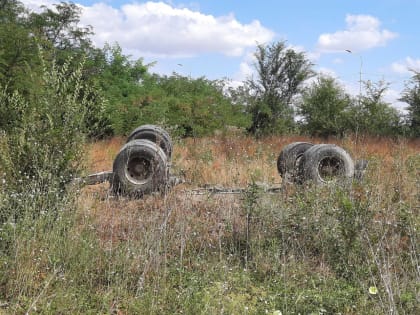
point(323, 163)
point(142, 164)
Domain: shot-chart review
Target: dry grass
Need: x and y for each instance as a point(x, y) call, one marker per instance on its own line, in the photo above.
point(365, 234)
point(228, 162)
point(235, 161)
point(101, 154)
point(304, 250)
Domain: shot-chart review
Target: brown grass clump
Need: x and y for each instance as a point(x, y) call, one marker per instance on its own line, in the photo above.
point(238, 160)
point(224, 161)
point(101, 154)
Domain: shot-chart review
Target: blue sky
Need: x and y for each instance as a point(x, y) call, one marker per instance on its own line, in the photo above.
point(217, 38)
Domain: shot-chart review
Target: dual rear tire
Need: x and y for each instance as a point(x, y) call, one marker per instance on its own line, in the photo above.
point(322, 164)
point(155, 134)
point(289, 159)
point(142, 165)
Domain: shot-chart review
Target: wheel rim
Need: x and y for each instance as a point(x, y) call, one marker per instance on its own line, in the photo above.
point(138, 170)
point(329, 168)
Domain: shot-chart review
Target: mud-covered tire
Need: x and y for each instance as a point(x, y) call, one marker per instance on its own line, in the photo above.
point(155, 134)
point(325, 163)
point(139, 168)
point(289, 159)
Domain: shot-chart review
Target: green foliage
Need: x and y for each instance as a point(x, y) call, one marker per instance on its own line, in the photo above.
point(325, 108)
point(329, 111)
point(40, 153)
point(191, 107)
point(17, 49)
point(411, 95)
point(372, 115)
point(198, 107)
point(119, 80)
point(42, 147)
point(281, 73)
point(63, 42)
point(57, 31)
point(59, 27)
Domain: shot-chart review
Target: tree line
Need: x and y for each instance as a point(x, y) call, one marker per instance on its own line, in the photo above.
point(285, 96)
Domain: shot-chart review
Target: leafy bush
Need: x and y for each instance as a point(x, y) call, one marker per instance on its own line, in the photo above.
point(41, 153)
point(324, 108)
point(189, 107)
point(43, 150)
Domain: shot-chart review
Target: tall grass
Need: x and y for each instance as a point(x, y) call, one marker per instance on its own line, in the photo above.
point(305, 250)
point(41, 152)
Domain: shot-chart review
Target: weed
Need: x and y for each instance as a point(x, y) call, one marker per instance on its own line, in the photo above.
point(304, 250)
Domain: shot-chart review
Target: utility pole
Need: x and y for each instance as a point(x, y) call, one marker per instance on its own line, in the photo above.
point(360, 90)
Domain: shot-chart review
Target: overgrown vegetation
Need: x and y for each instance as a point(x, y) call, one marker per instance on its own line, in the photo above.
point(325, 108)
point(411, 95)
point(350, 249)
point(308, 250)
point(271, 102)
point(281, 72)
point(42, 147)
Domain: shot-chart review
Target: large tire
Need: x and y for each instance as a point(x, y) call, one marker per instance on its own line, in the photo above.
point(325, 163)
point(289, 159)
point(139, 168)
point(155, 134)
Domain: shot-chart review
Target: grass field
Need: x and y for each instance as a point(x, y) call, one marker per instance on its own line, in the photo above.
point(348, 249)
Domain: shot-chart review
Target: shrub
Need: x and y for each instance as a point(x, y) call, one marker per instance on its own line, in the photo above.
point(43, 151)
point(40, 154)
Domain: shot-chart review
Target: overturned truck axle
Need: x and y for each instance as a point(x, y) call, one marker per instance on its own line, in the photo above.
point(142, 165)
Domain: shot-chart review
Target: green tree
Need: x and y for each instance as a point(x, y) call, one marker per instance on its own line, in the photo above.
point(62, 42)
point(192, 107)
point(325, 108)
point(372, 115)
point(281, 72)
point(18, 53)
point(21, 31)
point(121, 81)
point(200, 106)
point(411, 95)
point(60, 29)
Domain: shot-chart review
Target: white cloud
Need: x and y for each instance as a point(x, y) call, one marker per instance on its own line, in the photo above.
point(159, 29)
point(327, 72)
point(406, 66)
point(313, 56)
point(392, 96)
point(362, 32)
point(35, 5)
point(245, 71)
point(247, 66)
